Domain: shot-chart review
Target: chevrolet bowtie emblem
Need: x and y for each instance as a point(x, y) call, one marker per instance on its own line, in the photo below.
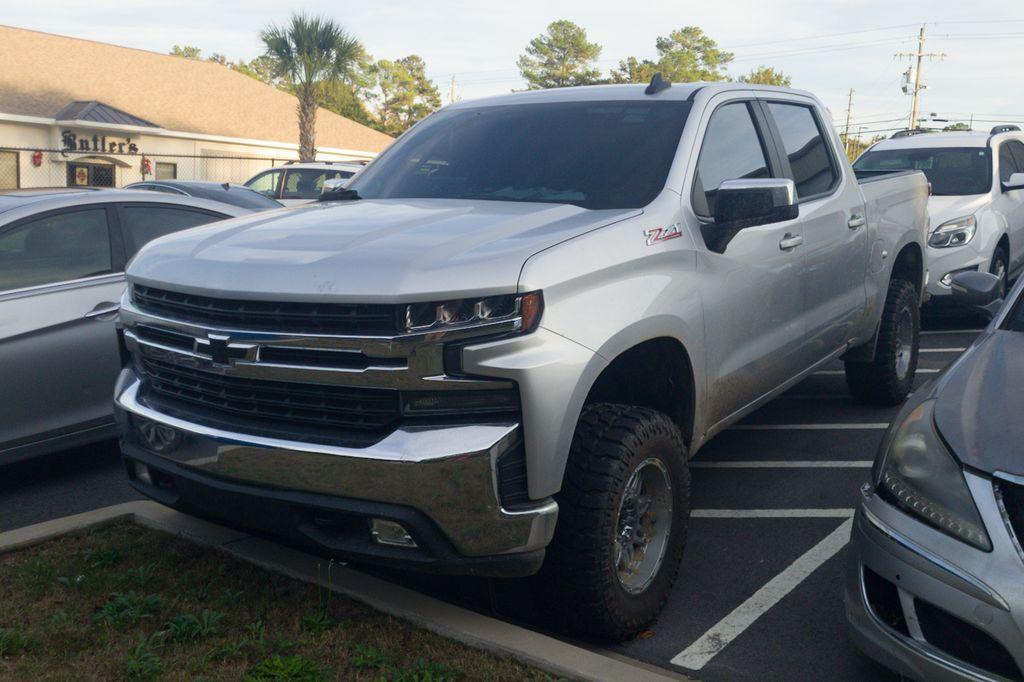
point(217, 346)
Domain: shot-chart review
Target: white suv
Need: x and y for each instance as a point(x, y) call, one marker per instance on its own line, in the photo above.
point(977, 202)
point(300, 183)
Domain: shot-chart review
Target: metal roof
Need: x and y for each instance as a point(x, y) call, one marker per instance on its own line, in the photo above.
point(98, 112)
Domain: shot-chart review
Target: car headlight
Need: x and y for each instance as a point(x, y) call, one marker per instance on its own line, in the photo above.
point(956, 232)
point(921, 477)
point(522, 308)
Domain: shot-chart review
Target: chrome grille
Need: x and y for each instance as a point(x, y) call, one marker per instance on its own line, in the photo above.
point(329, 407)
point(277, 316)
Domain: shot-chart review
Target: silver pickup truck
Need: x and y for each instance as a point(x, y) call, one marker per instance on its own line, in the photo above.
point(495, 352)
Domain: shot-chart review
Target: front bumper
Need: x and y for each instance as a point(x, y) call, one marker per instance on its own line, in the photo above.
point(941, 262)
point(914, 596)
point(438, 482)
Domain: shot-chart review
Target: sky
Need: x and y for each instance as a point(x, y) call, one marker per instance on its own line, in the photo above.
point(826, 47)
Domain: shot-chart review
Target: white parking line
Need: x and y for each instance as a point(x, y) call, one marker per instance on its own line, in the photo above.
point(771, 513)
point(839, 372)
point(953, 331)
point(943, 350)
point(712, 642)
point(847, 426)
point(784, 464)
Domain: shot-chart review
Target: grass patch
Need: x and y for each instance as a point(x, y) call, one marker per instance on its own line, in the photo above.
point(124, 602)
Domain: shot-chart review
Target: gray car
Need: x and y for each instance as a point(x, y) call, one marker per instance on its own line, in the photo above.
point(935, 583)
point(62, 258)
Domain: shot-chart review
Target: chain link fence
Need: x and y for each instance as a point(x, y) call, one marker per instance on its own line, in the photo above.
point(28, 168)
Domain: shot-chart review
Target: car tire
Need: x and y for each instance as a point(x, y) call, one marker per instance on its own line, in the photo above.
point(612, 562)
point(889, 377)
point(1001, 268)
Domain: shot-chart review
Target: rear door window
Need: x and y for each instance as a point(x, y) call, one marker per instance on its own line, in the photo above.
point(1011, 156)
point(266, 184)
point(732, 150)
point(142, 223)
point(58, 247)
point(812, 167)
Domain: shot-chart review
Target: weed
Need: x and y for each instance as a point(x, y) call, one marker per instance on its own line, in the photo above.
point(229, 597)
point(424, 671)
point(318, 623)
point(370, 657)
point(188, 628)
point(142, 664)
point(128, 608)
point(141, 576)
point(11, 642)
point(102, 557)
point(293, 668)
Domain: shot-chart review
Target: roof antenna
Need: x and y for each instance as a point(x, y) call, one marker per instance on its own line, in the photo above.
point(657, 85)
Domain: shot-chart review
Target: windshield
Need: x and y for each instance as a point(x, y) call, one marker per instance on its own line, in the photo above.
point(592, 154)
point(956, 171)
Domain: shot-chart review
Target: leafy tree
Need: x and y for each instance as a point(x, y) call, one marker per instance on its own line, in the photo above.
point(684, 56)
point(766, 75)
point(187, 51)
point(559, 58)
point(261, 68)
point(957, 126)
point(401, 93)
point(218, 58)
point(311, 52)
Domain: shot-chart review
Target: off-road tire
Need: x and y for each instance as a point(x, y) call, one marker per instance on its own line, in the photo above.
point(579, 581)
point(878, 381)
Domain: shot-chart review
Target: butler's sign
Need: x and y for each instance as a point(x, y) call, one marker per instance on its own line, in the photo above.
point(74, 142)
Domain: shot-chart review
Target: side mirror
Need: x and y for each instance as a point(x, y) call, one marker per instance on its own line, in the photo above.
point(740, 204)
point(1016, 181)
point(980, 290)
point(334, 190)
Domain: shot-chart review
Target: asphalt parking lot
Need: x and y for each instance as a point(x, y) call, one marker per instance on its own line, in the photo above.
point(760, 591)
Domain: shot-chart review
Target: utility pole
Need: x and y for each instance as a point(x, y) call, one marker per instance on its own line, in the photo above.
point(918, 87)
point(451, 91)
point(849, 108)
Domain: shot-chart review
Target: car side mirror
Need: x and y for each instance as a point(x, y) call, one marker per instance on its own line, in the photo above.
point(740, 204)
point(1016, 181)
point(334, 190)
point(980, 290)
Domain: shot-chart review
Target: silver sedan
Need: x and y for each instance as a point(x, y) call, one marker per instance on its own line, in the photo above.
point(935, 582)
point(62, 258)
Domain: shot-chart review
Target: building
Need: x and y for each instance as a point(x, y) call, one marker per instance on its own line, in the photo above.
point(79, 112)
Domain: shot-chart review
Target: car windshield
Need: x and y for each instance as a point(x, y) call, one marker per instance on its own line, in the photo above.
point(951, 170)
point(596, 155)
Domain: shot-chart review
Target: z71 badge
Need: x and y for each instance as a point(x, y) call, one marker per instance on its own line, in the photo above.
point(661, 234)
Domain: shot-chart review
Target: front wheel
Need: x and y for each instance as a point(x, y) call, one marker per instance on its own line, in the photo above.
point(1001, 269)
point(889, 377)
point(623, 514)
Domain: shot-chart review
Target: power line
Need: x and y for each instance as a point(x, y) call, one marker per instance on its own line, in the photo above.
point(918, 87)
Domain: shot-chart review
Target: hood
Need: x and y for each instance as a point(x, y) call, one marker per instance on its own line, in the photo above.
point(943, 208)
point(977, 404)
point(367, 250)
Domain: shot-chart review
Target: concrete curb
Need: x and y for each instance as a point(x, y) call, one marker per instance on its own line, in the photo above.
point(454, 622)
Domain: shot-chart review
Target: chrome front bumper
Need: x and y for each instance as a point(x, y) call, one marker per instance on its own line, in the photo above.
point(446, 472)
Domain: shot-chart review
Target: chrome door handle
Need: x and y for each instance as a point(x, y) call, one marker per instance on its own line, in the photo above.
point(102, 309)
point(790, 241)
point(855, 222)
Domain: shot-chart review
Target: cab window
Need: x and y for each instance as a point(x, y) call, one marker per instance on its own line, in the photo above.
point(732, 150)
point(55, 248)
point(1011, 156)
point(307, 183)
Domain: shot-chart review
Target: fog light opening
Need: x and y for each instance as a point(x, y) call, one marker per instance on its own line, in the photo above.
point(141, 472)
point(392, 533)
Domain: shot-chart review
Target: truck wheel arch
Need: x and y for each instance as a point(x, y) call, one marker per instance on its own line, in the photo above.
point(909, 265)
point(656, 373)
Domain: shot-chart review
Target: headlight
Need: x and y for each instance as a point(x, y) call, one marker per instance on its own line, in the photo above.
point(956, 232)
point(522, 308)
point(920, 476)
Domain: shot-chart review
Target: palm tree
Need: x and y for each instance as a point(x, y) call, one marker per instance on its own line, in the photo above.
point(311, 52)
